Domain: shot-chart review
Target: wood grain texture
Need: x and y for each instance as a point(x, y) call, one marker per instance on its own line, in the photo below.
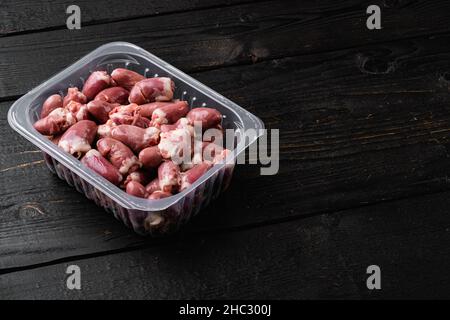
point(242, 34)
point(319, 257)
point(350, 135)
point(364, 122)
point(27, 15)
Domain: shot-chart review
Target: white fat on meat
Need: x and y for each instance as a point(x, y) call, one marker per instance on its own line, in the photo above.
point(76, 144)
point(127, 164)
point(175, 144)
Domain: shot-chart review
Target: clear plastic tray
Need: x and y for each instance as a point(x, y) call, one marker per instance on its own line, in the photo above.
point(144, 216)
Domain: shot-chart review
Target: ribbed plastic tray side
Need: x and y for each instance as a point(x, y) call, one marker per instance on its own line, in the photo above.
point(149, 222)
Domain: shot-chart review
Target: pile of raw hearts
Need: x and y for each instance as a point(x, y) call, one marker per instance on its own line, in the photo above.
point(128, 129)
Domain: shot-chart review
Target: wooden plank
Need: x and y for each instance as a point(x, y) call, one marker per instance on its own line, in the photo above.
point(27, 15)
point(319, 257)
point(348, 137)
point(242, 34)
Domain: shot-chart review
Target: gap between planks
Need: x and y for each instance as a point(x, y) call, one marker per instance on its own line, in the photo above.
point(131, 18)
point(195, 71)
point(210, 232)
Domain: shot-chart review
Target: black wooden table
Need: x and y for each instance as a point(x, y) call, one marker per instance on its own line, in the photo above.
point(364, 119)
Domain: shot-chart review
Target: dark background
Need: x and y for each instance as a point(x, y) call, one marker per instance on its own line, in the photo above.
point(364, 119)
